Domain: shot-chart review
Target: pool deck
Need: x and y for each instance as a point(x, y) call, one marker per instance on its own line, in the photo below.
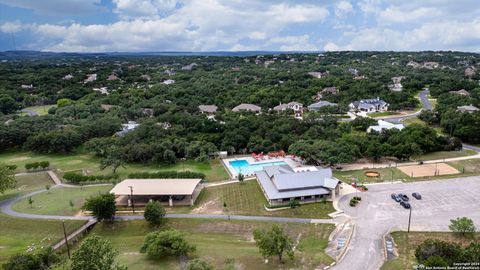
point(233, 173)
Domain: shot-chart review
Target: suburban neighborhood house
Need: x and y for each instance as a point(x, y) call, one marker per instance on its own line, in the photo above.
point(246, 107)
point(397, 84)
point(318, 105)
point(467, 109)
point(126, 128)
point(296, 107)
point(318, 75)
point(369, 105)
point(281, 183)
point(171, 191)
point(208, 109)
point(384, 125)
point(461, 92)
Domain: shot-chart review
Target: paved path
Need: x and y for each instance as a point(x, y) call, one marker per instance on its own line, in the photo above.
point(377, 214)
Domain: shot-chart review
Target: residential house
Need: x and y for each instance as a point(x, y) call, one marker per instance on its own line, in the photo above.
point(147, 112)
point(170, 72)
point(90, 78)
point(168, 82)
point(67, 77)
point(467, 109)
point(413, 64)
point(461, 92)
point(296, 107)
point(247, 107)
point(208, 109)
point(126, 128)
point(384, 125)
point(318, 75)
point(470, 71)
point(27, 86)
point(146, 77)
point(331, 90)
point(369, 105)
point(102, 90)
point(397, 84)
point(281, 184)
point(107, 107)
point(318, 105)
point(112, 77)
point(431, 65)
point(190, 66)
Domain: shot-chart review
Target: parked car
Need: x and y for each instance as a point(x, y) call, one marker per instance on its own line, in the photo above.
point(396, 197)
point(405, 205)
point(417, 195)
point(404, 197)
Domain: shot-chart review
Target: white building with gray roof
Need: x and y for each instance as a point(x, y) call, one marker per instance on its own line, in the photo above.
point(369, 105)
point(246, 107)
point(281, 184)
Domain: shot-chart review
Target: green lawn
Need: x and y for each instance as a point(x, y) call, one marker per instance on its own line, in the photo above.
point(386, 174)
point(57, 201)
point(468, 167)
point(445, 154)
point(28, 183)
point(218, 242)
point(381, 114)
point(248, 199)
point(41, 110)
point(18, 234)
point(414, 120)
point(213, 169)
point(407, 242)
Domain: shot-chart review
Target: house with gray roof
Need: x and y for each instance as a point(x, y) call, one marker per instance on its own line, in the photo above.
point(247, 107)
point(281, 184)
point(296, 107)
point(467, 109)
point(318, 105)
point(369, 105)
point(208, 109)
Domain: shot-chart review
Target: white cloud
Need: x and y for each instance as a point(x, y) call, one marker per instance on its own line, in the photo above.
point(56, 7)
point(12, 27)
point(196, 25)
point(143, 8)
point(294, 43)
point(343, 8)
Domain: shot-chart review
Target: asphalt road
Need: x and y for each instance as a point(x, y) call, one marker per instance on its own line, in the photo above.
point(377, 214)
point(426, 105)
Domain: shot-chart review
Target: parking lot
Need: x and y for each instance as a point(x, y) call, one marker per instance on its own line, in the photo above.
point(377, 214)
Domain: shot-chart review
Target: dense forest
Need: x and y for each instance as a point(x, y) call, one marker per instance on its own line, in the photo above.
point(162, 95)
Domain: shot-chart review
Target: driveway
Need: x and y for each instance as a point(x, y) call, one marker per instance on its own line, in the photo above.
point(377, 214)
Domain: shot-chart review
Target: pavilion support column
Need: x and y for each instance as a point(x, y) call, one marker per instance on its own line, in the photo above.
point(332, 191)
point(170, 201)
point(191, 200)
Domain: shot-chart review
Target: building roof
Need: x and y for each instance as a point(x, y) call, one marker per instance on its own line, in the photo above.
point(384, 125)
point(281, 181)
point(321, 104)
point(369, 103)
point(462, 92)
point(467, 108)
point(208, 108)
point(285, 106)
point(156, 186)
point(246, 107)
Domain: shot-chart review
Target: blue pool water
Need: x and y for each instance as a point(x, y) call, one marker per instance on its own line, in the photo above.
point(242, 166)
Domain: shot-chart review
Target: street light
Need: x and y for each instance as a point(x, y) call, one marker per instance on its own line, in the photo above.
point(131, 198)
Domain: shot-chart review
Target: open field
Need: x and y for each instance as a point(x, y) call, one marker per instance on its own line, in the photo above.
point(386, 174)
point(428, 170)
point(445, 154)
point(218, 242)
point(18, 234)
point(467, 167)
point(213, 170)
point(407, 242)
point(57, 201)
point(27, 183)
point(248, 199)
point(41, 110)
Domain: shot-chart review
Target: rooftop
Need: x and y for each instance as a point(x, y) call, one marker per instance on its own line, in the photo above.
point(156, 186)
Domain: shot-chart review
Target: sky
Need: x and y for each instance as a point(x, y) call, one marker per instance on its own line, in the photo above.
point(239, 25)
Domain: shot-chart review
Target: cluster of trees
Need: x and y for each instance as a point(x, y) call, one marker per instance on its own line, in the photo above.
point(436, 253)
point(35, 165)
point(7, 178)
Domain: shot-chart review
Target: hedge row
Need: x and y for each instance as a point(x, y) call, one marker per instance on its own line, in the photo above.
point(166, 174)
point(36, 165)
point(77, 178)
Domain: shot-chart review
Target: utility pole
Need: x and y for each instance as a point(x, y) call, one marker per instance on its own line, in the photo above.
point(131, 198)
point(409, 219)
point(66, 241)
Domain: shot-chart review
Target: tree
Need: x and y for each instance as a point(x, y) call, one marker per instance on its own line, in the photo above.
point(462, 225)
point(199, 264)
point(41, 260)
point(30, 202)
point(47, 188)
point(113, 158)
point(167, 243)
point(273, 242)
point(44, 164)
point(294, 204)
point(7, 178)
point(95, 253)
point(63, 102)
point(7, 104)
point(154, 212)
point(449, 252)
point(102, 206)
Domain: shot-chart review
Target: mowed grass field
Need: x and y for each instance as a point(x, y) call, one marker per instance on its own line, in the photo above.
point(445, 154)
point(222, 243)
point(213, 169)
point(248, 199)
point(41, 110)
point(19, 235)
point(386, 174)
point(406, 243)
point(27, 183)
point(56, 201)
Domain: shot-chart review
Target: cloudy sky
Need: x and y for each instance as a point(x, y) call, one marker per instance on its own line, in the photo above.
point(239, 25)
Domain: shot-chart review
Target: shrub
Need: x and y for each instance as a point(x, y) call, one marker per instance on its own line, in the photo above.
point(44, 164)
point(154, 212)
point(35, 165)
point(28, 166)
point(78, 178)
point(167, 243)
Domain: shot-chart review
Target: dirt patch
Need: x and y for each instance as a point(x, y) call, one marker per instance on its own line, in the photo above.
point(73, 162)
point(428, 170)
point(372, 174)
point(209, 207)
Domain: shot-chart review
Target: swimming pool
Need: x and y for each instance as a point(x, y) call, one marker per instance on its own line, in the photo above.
point(242, 166)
